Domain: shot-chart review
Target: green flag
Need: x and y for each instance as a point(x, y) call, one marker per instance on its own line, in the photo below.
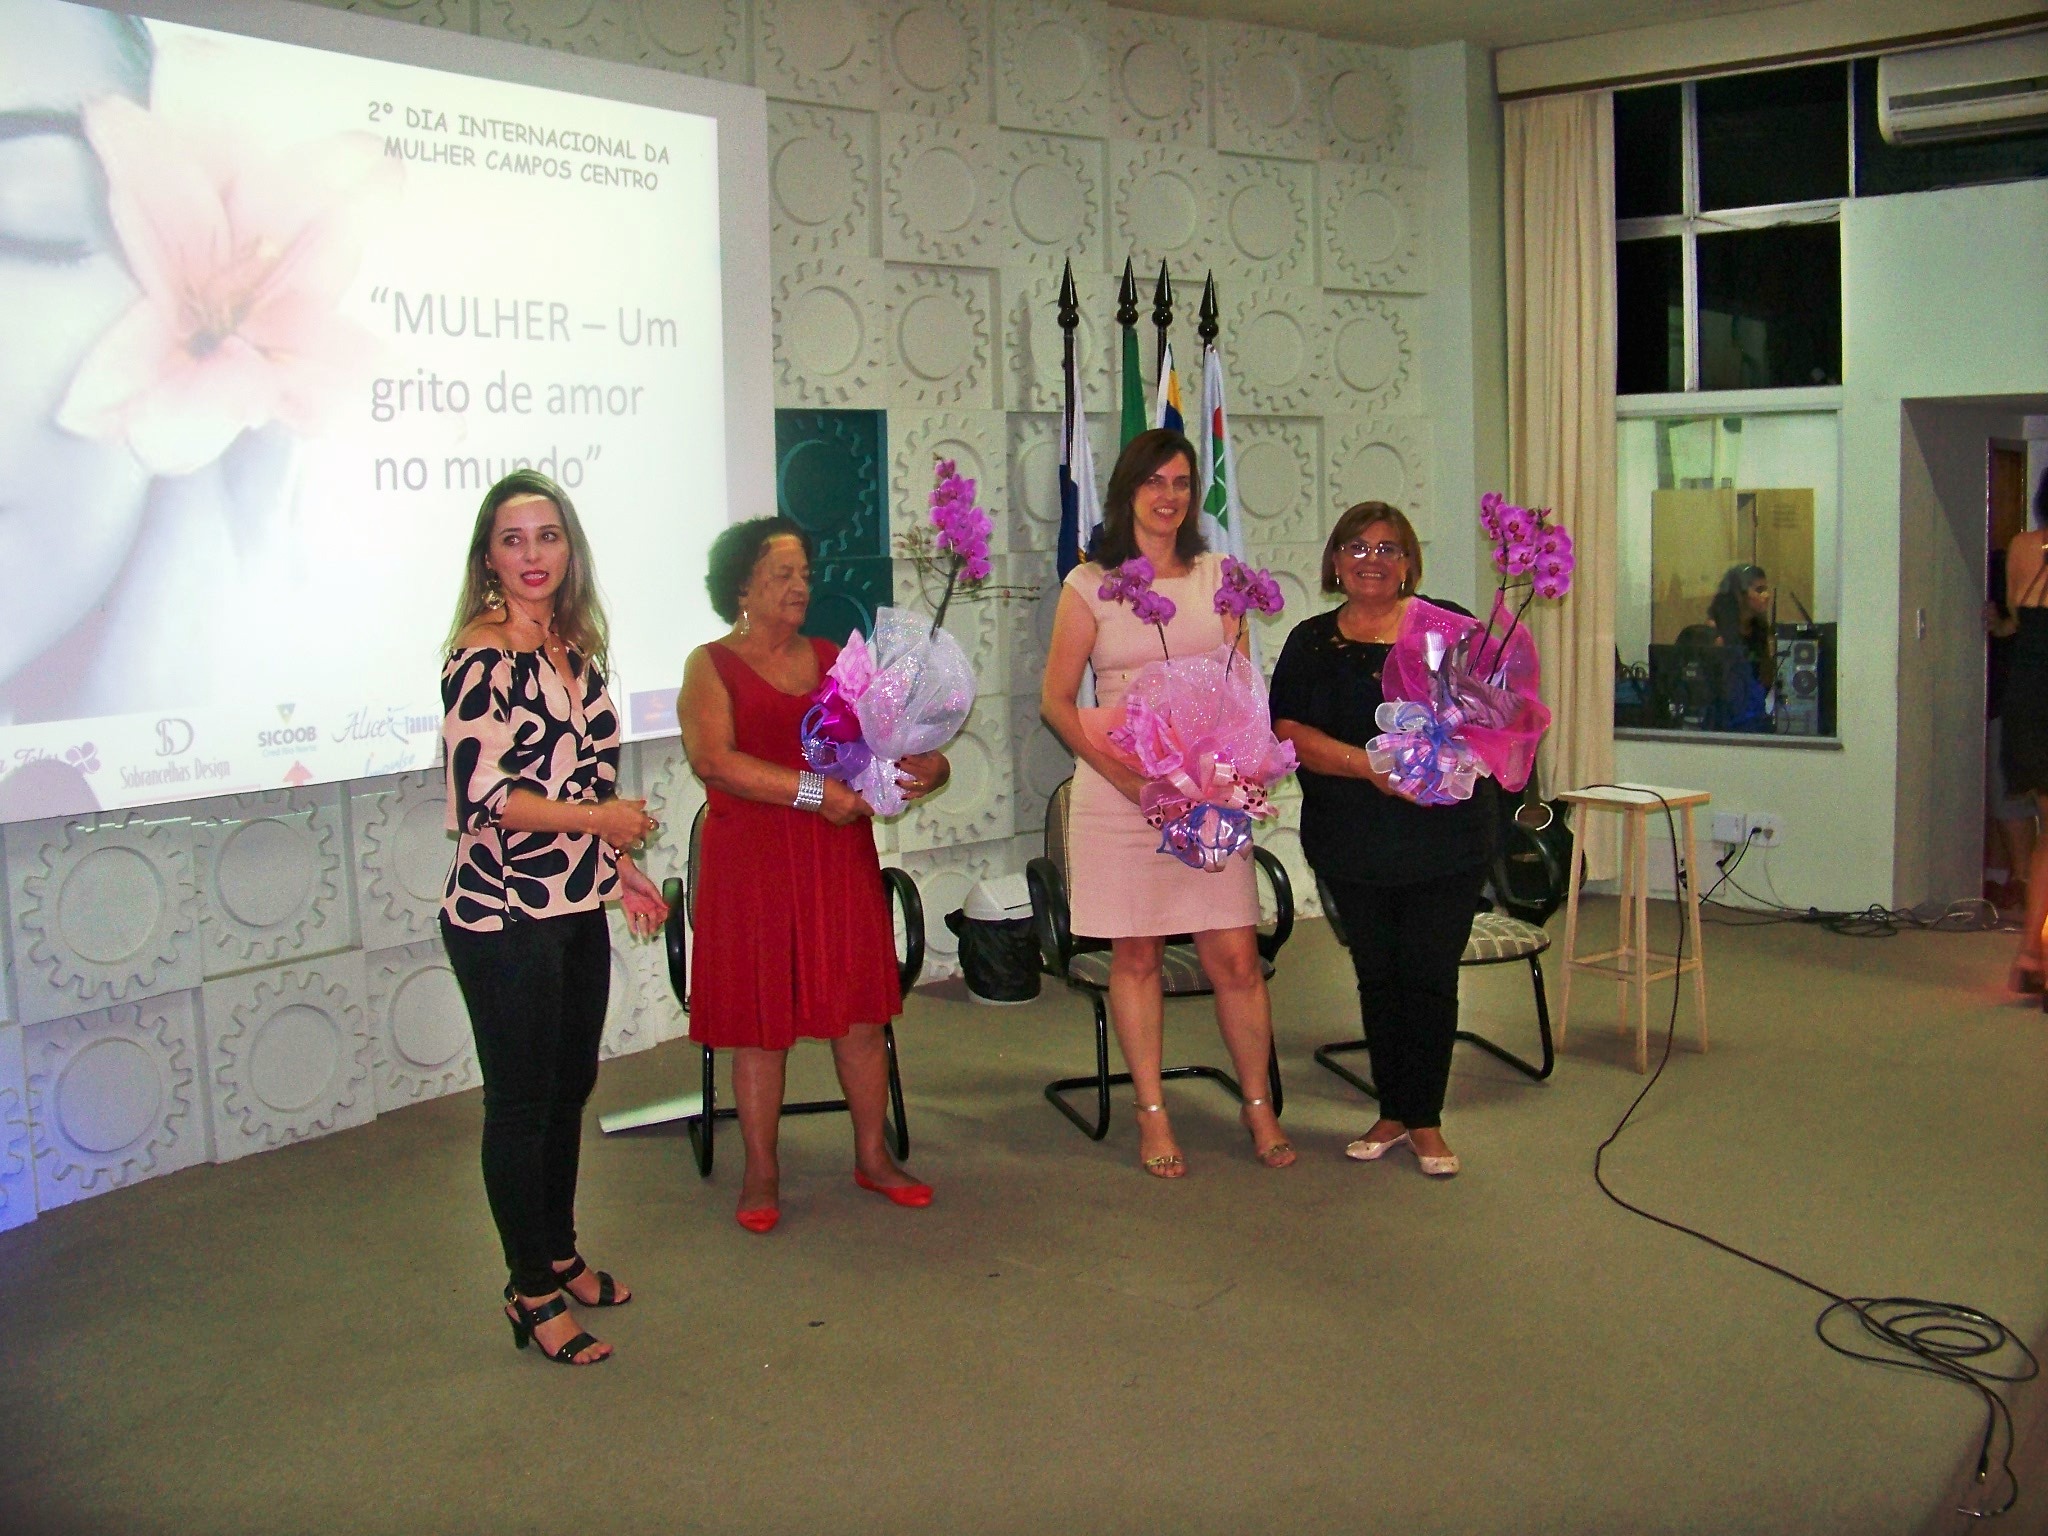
point(1136, 417)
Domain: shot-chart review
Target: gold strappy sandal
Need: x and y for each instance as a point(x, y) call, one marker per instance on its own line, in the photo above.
point(1278, 1154)
point(1167, 1165)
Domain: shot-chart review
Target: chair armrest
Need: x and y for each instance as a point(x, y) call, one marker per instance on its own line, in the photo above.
point(1049, 914)
point(898, 886)
point(672, 941)
point(1283, 902)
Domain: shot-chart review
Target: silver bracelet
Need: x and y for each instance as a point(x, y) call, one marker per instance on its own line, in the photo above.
point(810, 791)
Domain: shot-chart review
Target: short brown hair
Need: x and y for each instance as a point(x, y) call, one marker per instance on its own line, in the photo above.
point(1356, 520)
point(1117, 540)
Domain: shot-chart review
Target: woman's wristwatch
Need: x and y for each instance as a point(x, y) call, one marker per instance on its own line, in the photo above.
point(810, 791)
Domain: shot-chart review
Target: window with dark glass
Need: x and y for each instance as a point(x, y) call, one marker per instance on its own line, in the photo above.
point(1650, 316)
point(1770, 307)
point(1780, 136)
point(1649, 152)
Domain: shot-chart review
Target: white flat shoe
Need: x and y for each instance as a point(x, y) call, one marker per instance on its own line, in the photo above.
point(1364, 1150)
point(1438, 1167)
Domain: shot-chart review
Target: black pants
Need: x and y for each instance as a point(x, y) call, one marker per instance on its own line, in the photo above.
point(536, 993)
point(1406, 941)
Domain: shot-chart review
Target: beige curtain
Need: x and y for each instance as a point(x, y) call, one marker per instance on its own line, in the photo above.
point(1560, 273)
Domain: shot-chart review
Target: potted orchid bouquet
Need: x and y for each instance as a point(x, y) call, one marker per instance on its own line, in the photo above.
point(1198, 730)
point(909, 687)
point(1463, 698)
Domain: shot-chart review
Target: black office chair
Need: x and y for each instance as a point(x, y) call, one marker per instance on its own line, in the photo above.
point(1497, 939)
point(900, 889)
point(1083, 964)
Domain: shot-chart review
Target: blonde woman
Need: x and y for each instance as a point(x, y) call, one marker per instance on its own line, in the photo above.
point(533, 769)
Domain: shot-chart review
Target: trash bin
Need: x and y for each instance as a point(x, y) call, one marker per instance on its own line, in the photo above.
point(998, 946)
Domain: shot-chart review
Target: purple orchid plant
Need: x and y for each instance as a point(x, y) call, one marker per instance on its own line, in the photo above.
point(1528, 550)
point(1131, 583)
point(1245, 588)
point(962, 529)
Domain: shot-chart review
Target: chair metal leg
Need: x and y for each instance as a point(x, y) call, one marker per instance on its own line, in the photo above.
point(1501, 1053)
point(900, 1131)
point(1104, 1079)
point(700, 1124)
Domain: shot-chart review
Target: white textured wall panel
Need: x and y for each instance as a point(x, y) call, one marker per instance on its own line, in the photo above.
point(403, 851)
point(272, 877)
point(288, 1055)
point(1050, 65)
point(426, 13)
point(832, 334)
point(1265, 223)
point(1374, 221)
point(1279, 479)
point(421, 1045)
point(821, 180)
point(1163, 208)
point(945, 192)
point(1373, 366)
point(114, 1097)
point(1364, 103)
point(1158, 78)
point(1034, 346)
point(1268, 90)
point(1380, 459)
point(821, 51)
point(641, 1010)
point(1053, 186)
point(942, 337)
point(935, 58)
point(17, 1156)
point(978, 803)
point(103, 911)
point(1279, 344)
point(973, 440)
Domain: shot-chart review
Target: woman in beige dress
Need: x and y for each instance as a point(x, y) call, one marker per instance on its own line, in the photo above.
point(1122, 887)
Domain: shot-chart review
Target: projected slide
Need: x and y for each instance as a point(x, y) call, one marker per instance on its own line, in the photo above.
point(271, 319)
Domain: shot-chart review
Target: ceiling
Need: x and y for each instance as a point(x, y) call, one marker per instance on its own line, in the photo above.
point(1412, 23)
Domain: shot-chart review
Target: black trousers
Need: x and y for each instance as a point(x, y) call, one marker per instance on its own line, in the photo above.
point(1406, 941)
point(536, 993)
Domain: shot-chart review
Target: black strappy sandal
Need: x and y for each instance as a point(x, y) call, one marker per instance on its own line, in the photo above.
point(525, 1319)
point(607, 1291)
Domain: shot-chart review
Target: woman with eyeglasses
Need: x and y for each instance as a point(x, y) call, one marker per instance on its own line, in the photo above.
point(1122, 887)
point(1405, 877)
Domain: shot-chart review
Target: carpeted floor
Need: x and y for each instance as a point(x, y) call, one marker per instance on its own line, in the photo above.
point(308, 1341)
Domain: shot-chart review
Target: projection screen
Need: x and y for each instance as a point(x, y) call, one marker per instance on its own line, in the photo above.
point(275, 309)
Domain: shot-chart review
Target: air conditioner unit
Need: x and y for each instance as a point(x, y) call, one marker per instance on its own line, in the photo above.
point(1968, 91)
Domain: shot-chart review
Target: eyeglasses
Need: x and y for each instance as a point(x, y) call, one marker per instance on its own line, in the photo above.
point(1358, 549)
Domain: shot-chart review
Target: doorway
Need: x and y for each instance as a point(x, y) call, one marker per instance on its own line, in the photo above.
point(2009, 829)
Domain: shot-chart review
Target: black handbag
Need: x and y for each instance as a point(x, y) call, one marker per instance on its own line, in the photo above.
point(1532, 855)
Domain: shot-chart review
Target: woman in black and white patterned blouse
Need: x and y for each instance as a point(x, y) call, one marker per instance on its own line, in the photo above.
point(532, 743)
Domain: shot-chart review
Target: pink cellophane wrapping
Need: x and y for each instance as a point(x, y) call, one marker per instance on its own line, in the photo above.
point(1200, 731)
point(919, 696)
point(1491, 681)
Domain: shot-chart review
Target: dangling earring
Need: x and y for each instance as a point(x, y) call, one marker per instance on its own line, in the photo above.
point(746, 624)
point(494, 595)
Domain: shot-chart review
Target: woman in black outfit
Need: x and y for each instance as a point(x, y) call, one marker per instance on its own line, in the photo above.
point(1405, 877)
point(2024, 744)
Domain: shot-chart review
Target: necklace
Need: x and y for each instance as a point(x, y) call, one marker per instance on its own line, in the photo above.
point(1366, 629)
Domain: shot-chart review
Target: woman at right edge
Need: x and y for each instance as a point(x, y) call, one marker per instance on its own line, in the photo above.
point(2024, 748)
point(1405, 877)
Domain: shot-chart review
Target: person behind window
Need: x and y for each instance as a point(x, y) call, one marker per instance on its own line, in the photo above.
point(1740, 612)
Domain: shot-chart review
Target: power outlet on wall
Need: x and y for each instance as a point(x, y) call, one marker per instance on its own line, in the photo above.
point(1728, 827)
point(1763, 829)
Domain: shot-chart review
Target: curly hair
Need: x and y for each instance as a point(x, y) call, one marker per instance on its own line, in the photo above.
point(735, 553)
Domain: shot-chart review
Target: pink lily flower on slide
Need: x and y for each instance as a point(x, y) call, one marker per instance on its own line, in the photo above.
point(243, 257)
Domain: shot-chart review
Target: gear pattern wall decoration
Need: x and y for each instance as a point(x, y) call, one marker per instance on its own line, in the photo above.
point(1162, 209)
point(1372, 354)
point(821, 173)
point(288, 1055)
point(1373, 220)
point(642, 1010)
point(403, 850)
point(696, 37)
point(820, 51)
point(458, 14)
point(1381, 459)
point(977, 804)
point(831, 334)
point(104, 910)
point(593, 27)
point(270, 878)
point(1035, 348)
point(114, 1097)
point(421, 1046)
point(1268, 100)
point(1279, 479)
point(935, 58)
point(1364, 102)
point(1050, 57)
point(1159, 78)
point(1265, 218)
point(943, 337)
point(1054, 191)
point(973, 440)
point(1280, 349)
point(17, 1158)
point(944, 194)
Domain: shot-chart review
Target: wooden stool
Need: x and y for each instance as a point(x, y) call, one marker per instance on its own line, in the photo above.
point(1632, 962)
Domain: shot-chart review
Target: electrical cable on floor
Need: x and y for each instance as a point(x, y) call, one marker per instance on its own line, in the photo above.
point(1944, 1339)
point(1971, 915)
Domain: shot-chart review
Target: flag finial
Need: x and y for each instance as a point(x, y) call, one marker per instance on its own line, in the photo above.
point(1162, 299)
point(1070, 303)
point(1127, 297)
point(1208, 329)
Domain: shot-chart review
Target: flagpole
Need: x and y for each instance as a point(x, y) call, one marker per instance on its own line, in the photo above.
point(1133, 420)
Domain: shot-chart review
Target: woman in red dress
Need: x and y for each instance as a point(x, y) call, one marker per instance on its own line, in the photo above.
point(794, 938)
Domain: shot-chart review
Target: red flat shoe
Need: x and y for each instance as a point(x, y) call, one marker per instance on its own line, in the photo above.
point(760, 1218)
point(916, 1196)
